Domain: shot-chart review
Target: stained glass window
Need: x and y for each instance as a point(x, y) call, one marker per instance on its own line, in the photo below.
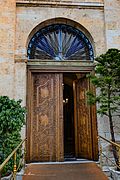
point(60, 42)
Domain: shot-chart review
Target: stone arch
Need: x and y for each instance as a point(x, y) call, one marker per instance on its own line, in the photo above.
point(67, 23)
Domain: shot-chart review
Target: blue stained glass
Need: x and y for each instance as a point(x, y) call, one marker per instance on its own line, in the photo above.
point(30, 45)
point(60, 42)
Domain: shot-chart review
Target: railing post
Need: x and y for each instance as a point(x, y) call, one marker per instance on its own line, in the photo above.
point(101, 156)
point(13, 154)
point(119, 157)
point(14, 167)
point(24, 153)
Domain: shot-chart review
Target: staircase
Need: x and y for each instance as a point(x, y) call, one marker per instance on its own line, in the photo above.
point(64, 171)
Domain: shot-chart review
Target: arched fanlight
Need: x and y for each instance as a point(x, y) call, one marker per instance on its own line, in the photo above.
point(60, 42)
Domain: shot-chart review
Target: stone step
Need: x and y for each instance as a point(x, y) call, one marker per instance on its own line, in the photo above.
point(68, 171)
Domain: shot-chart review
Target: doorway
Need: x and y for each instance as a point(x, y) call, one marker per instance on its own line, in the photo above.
point(76, 116)
point(68, 115)
point(57, 100)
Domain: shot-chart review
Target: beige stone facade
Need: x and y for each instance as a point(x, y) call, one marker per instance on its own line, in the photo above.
point(99, 19)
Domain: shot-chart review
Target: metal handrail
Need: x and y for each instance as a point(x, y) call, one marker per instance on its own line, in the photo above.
point(9, 157)
point(114, 144)
point(111, 142)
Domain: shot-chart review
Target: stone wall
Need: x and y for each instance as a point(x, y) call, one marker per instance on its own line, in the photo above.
point(57, 1)
point(112, 23)
point(7, 39)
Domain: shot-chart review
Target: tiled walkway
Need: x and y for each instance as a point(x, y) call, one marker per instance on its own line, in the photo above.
point(79, 171)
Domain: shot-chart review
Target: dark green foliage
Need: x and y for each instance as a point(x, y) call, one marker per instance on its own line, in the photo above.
point(12, 118)
point(107, 82)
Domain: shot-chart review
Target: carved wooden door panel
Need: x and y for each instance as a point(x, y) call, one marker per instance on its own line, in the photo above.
point(45, 123)
point(85, 122)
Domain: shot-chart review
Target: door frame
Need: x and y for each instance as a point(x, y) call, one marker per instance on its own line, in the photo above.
point(48, 66)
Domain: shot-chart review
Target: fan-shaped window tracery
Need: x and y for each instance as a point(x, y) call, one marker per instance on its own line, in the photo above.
point(60, 42)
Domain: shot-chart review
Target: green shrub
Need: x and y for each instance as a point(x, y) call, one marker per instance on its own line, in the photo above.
point(12, 118)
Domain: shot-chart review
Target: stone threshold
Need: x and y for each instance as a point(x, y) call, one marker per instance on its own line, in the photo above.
point(70, 4)
point(77, 161)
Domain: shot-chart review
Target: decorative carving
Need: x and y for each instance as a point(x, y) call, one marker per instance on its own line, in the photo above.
point(84, 136)
point(82, 94)
point(44, 92)
point(46, 117)
point(44, 120)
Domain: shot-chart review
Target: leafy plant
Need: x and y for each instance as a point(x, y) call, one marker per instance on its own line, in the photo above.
point(12, 118)
point(107, 80)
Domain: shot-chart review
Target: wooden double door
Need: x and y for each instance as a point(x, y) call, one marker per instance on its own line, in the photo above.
point(60, 122)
